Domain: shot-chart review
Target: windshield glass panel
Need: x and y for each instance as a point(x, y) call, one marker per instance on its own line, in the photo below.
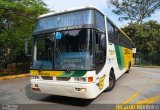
point(43, 52)
point(74, 50)
point(44, 49)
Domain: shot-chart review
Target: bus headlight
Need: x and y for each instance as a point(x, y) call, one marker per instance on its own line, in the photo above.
point(34, 77)
point(80, 79)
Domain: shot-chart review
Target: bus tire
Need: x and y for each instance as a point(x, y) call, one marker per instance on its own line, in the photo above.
point(112, 81)
point(129, 67)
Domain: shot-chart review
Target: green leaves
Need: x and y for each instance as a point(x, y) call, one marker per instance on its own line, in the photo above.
point(135, 10)
point(145, 36)
point(17, 21)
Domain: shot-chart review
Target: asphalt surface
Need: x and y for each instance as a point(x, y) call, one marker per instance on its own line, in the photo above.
point(140, 86)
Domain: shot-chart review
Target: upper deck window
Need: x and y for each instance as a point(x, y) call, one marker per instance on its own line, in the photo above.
point(67, 19)
point(100, 22)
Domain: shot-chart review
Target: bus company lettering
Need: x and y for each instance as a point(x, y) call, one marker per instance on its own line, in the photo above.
point(69, 28)
point(72, 60)
point(126, 51)
point(41, 73)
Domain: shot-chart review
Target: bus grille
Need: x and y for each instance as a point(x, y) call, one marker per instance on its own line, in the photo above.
point(47, 77)
point(63, 78)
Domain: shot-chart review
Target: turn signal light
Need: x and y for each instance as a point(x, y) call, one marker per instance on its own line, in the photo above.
point(90, 79)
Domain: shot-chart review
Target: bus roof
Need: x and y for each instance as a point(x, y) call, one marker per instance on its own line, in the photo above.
point(68, 10)
point(78, 9)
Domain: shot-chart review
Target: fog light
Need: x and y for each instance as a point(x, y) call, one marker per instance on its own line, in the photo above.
point(80, 89)
point(34, 86)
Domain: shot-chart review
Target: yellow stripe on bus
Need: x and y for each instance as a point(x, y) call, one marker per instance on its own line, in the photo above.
point(127, 56)
point(34, 72)
point(46, 73)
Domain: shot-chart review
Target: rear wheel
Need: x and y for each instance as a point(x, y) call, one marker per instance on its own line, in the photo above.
point(112, 81)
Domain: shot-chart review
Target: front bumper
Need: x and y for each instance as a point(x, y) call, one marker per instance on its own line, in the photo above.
point(67, 89)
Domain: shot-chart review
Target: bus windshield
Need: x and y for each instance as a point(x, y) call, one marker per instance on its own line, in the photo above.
point(64, 50)
point(74, 50)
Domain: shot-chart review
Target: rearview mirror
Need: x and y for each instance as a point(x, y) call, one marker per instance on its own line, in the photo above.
point(28, 47)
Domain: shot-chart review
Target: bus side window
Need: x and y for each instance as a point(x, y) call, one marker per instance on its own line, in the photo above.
point(111, 31)
point(116, 36)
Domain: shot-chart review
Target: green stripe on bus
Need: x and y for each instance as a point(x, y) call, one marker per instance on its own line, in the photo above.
point(79, 73)
point(73, 73)
point(120, 56)
point(67, 74)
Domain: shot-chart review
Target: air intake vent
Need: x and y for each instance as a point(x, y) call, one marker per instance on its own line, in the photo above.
point(63, 78)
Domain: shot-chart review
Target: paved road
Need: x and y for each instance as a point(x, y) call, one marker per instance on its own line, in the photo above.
point(140, 86)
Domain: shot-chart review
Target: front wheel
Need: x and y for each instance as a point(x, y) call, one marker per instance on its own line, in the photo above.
point(112, 81)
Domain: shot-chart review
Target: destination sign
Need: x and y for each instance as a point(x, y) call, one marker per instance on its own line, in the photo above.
point(69, 28)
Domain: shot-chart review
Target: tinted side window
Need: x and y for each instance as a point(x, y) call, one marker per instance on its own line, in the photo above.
point(111, 32)
point(116, 36)
point(100, 23)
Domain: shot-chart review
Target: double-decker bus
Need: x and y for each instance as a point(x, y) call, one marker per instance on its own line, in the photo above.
point(78, 53)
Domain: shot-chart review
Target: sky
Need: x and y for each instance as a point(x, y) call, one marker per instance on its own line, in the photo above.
point(105, 7)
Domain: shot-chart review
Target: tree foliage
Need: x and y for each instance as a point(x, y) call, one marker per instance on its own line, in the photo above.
point(17, 21)
point(135, 10)
point(146, 36)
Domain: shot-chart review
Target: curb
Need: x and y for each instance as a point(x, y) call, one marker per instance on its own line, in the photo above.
point(146, 66)
point(14, 76)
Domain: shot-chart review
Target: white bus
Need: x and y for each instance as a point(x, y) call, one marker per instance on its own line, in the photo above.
point(78, 53)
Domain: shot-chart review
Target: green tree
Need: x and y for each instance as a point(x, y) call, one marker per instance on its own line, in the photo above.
point(146, 36)
point(135, 10)
point(17, 21)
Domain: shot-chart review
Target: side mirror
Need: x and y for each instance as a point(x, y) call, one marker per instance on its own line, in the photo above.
point(28, 48)
point(103, 41)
